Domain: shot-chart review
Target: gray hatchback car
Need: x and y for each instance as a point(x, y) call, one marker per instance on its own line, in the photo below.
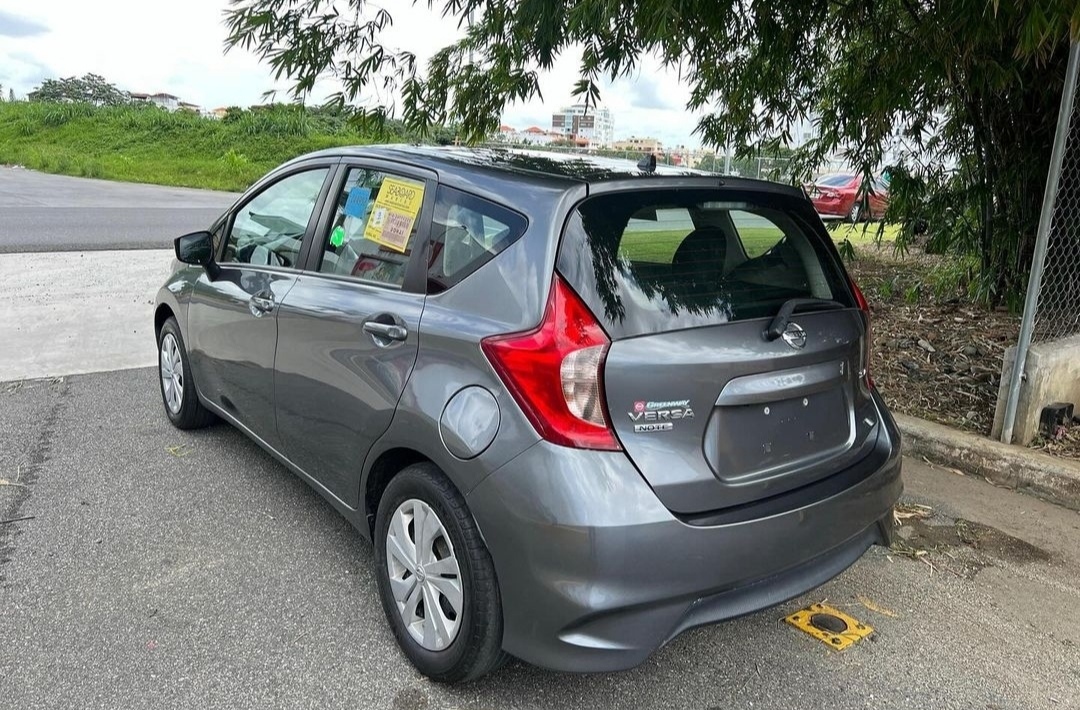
point(579, 406)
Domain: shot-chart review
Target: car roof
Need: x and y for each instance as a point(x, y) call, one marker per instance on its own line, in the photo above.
point(548, 166)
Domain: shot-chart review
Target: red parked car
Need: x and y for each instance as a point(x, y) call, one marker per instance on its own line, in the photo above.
point(848, 196)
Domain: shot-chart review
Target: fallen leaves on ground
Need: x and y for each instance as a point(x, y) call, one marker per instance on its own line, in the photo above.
point(935, 358)
point(911, 511)
point(872, 606)
point(1066, 443)
point(179, 451)
point(938, 356)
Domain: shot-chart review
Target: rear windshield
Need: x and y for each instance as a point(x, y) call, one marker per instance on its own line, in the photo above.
point(654, 261)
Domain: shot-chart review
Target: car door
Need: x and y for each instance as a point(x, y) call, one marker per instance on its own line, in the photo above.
point(232, 314)
point(347, 330)
point(879, 198)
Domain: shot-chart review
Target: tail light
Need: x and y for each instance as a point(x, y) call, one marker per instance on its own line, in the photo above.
point(555, 372)
point(860, 301)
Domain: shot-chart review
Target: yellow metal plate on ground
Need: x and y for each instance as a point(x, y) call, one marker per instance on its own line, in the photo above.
point(838, 632)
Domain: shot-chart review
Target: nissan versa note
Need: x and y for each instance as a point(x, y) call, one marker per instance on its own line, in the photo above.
point(579, 406)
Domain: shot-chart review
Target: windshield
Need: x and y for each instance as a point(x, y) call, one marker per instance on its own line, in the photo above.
point(837, 180)
point(661, 260)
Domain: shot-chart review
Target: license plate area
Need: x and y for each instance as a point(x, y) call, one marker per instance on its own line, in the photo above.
point(748, 441)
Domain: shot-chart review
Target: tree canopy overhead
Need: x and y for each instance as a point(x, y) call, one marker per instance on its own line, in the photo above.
point(967, 90)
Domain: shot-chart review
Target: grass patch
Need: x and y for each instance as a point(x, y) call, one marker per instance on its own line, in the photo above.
point(148, 144)
point(659, 246)
point(862, 234)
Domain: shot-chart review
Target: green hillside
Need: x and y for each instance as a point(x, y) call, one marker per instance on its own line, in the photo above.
point(147, 144)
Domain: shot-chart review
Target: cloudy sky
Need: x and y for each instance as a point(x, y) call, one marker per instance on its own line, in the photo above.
point(176, 46)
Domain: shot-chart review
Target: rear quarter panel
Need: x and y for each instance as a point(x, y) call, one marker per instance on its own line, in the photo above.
point(506, 295)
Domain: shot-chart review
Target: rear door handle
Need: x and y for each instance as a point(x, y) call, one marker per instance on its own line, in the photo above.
point(389, 331)
point(260, 305)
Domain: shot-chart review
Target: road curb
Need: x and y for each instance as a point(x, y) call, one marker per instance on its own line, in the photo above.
point(1053, 479)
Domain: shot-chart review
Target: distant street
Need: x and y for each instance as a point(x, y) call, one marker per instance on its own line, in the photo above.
point(40, 212)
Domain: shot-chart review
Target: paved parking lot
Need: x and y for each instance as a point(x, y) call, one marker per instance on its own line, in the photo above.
point(165, 569)
point(190, 570)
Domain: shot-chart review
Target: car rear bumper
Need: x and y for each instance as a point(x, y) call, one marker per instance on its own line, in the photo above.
point(595, 573)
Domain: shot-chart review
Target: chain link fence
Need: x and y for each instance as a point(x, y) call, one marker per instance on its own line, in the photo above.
point(1052, 305)
point(1057, 310)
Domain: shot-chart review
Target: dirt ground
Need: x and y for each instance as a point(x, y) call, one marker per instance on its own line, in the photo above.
point(935, 355)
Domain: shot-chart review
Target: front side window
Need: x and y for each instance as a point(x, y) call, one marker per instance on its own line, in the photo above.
point(371, 237)
point(268, 230)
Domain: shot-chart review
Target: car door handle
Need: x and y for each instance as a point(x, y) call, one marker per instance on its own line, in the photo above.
point(261, 304)
point(390, 331)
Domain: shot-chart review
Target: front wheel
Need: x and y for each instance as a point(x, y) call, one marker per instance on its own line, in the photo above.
point(182, 404)
point(436, 579)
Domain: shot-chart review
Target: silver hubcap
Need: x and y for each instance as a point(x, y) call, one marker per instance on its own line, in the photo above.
point(424, 575)
point(172, 373)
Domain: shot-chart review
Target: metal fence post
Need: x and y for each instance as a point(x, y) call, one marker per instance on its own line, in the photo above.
point(1046, 216)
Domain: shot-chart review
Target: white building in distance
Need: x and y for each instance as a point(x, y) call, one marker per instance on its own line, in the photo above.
point(595, 125)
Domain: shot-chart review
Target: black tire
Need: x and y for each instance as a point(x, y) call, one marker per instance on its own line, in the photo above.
point(477, 648)
point(855, 213)
point(191, 414)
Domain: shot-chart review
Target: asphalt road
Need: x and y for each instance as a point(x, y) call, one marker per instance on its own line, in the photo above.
point(208, 576)
point(40, 212)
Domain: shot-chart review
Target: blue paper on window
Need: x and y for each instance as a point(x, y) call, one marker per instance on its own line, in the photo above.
point(358, 200)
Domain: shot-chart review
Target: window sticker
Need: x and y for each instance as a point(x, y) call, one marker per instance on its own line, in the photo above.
point(358, 200)
point(394, 212)
point(337, 237)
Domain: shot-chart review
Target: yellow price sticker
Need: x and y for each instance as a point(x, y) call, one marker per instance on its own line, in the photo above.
point(394, 213)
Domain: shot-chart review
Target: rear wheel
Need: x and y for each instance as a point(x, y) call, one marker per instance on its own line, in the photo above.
point(182, 404)
point(855, 212)
point(436, 579)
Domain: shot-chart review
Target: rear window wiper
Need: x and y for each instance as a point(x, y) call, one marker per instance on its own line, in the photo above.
point(780, 322)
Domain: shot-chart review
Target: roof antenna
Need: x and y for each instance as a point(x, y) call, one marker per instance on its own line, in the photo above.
point(647, 163)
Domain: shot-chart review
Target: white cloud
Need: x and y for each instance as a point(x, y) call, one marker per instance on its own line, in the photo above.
point(159, 45)
point(12, 25)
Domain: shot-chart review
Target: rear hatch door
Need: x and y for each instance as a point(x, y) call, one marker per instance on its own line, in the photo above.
point(714, 411)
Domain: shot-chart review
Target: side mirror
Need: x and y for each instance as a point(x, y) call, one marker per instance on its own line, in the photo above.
point(196, 248)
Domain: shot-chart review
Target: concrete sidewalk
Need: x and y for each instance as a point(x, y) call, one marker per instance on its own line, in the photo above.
point(63, 313)
point(1049, 477)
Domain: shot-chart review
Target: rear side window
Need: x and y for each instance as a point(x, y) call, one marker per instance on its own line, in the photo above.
point(653, 261)
point(466, 233)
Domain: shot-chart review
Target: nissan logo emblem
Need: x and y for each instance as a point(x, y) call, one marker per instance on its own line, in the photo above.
point(795, 336)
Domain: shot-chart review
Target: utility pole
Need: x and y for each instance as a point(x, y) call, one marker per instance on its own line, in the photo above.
point(470, 44)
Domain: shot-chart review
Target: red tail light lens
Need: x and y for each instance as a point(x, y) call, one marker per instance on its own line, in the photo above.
point(555, 372)
point(860, 301)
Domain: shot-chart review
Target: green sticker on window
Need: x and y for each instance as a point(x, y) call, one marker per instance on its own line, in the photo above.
point(337, 237)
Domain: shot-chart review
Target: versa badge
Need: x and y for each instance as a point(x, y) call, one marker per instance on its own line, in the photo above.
point(659, 416)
